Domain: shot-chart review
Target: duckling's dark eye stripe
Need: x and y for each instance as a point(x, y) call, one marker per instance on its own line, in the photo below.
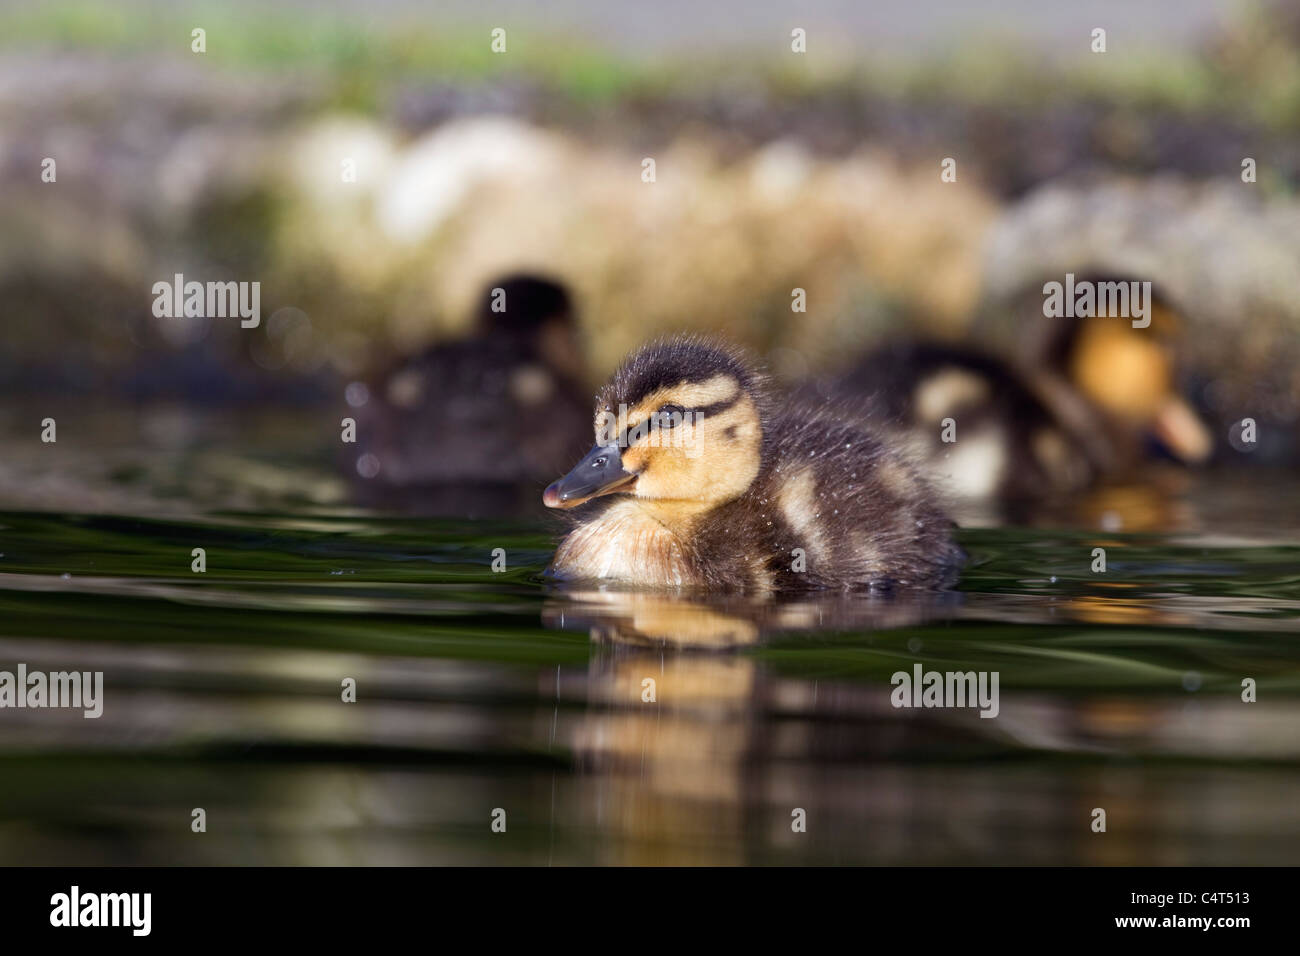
point(695, 413)
point(709, 411)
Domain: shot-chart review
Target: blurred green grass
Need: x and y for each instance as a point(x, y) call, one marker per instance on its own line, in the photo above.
point(1249, 70)
point(356, 57)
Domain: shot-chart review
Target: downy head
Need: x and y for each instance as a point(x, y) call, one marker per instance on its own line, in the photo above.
point(679, 425)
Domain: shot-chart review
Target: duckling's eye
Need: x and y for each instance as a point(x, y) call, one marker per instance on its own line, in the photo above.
point(671, 416)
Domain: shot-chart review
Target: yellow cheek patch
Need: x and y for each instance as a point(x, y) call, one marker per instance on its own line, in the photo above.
point(634, 459)
point(717, 438)
point(699, 463)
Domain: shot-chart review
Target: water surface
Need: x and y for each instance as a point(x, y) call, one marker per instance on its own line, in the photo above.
point(480, 690)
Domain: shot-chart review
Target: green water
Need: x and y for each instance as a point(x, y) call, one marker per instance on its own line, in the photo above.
point(479, 690)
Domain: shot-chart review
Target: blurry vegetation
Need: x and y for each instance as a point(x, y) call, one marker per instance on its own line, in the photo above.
point(773, 173)
point(359, 57)
point(1251, 68)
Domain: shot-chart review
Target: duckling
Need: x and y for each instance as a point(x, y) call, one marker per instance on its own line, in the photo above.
point(974, 421)
point(505, 406)
point(701, 479)
point(1128, 376)
point(1094, 399)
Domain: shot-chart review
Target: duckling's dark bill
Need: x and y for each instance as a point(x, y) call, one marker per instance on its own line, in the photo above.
point(599, 473)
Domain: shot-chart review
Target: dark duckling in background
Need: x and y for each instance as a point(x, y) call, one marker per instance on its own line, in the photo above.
point(701, 478)
point(501, 408)
point(1094, 399)
point(1009, 443)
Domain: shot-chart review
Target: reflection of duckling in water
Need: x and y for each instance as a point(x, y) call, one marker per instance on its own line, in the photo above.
point(504, 406)
point(1099, 396)
point(712, 485)
point(719, 621)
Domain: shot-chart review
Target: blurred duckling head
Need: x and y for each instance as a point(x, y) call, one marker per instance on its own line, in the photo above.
point(1131, 375)
point(533, 312)
point(679, 426)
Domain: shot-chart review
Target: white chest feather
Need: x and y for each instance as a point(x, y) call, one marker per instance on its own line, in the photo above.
point(625, 545)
